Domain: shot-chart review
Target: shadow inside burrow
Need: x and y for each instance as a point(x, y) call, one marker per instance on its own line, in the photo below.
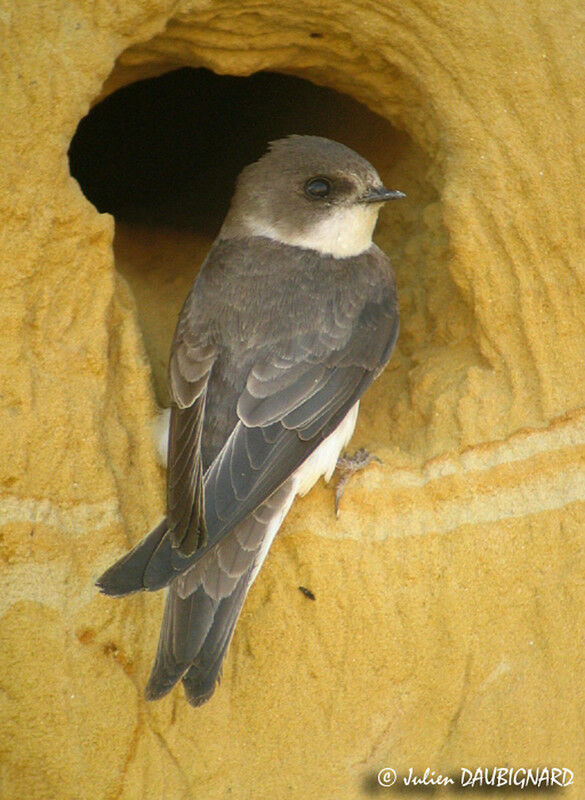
point(162, 156)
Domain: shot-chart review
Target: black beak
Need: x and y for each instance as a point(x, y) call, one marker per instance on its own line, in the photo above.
point(380, 194)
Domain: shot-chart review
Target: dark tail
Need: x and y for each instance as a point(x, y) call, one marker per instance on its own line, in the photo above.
point(205, 597)
point(195, 636)
point(196, 631)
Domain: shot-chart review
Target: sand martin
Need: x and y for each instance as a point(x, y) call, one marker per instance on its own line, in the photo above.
point(290, 319)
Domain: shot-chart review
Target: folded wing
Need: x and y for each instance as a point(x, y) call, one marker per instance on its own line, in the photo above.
point(295, 395)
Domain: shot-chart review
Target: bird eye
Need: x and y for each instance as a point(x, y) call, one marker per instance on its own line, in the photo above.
point(317, 188)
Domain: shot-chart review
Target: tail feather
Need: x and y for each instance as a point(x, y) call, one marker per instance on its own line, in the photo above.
point(206, 593)
point(195, 635)
point(200, 681)
point(205, 672)
point(184, 627)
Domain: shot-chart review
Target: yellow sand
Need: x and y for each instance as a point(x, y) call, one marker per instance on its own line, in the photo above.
point(448, 626)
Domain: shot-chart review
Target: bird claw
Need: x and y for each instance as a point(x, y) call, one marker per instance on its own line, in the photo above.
point(347, 466)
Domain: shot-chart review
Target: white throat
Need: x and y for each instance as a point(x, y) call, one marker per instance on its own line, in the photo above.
point(347, 232)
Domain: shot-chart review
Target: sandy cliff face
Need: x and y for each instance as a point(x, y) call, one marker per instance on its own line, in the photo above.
point(448, 624)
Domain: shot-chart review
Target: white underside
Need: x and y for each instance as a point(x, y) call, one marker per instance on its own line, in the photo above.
point(324, 459)
point(321, 462)
point(160, 432)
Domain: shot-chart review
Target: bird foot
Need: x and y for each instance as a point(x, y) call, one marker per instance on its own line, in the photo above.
point(346, 467)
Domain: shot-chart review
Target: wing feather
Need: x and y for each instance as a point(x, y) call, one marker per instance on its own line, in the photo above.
point(189, 370)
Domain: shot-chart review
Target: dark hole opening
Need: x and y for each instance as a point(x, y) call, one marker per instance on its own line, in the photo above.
point(167, 150)
point(162, 155)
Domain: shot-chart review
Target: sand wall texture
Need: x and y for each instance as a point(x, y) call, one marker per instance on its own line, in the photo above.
point(448, 626)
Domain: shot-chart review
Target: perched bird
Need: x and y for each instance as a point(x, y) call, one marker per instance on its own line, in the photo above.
point(290, 319)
